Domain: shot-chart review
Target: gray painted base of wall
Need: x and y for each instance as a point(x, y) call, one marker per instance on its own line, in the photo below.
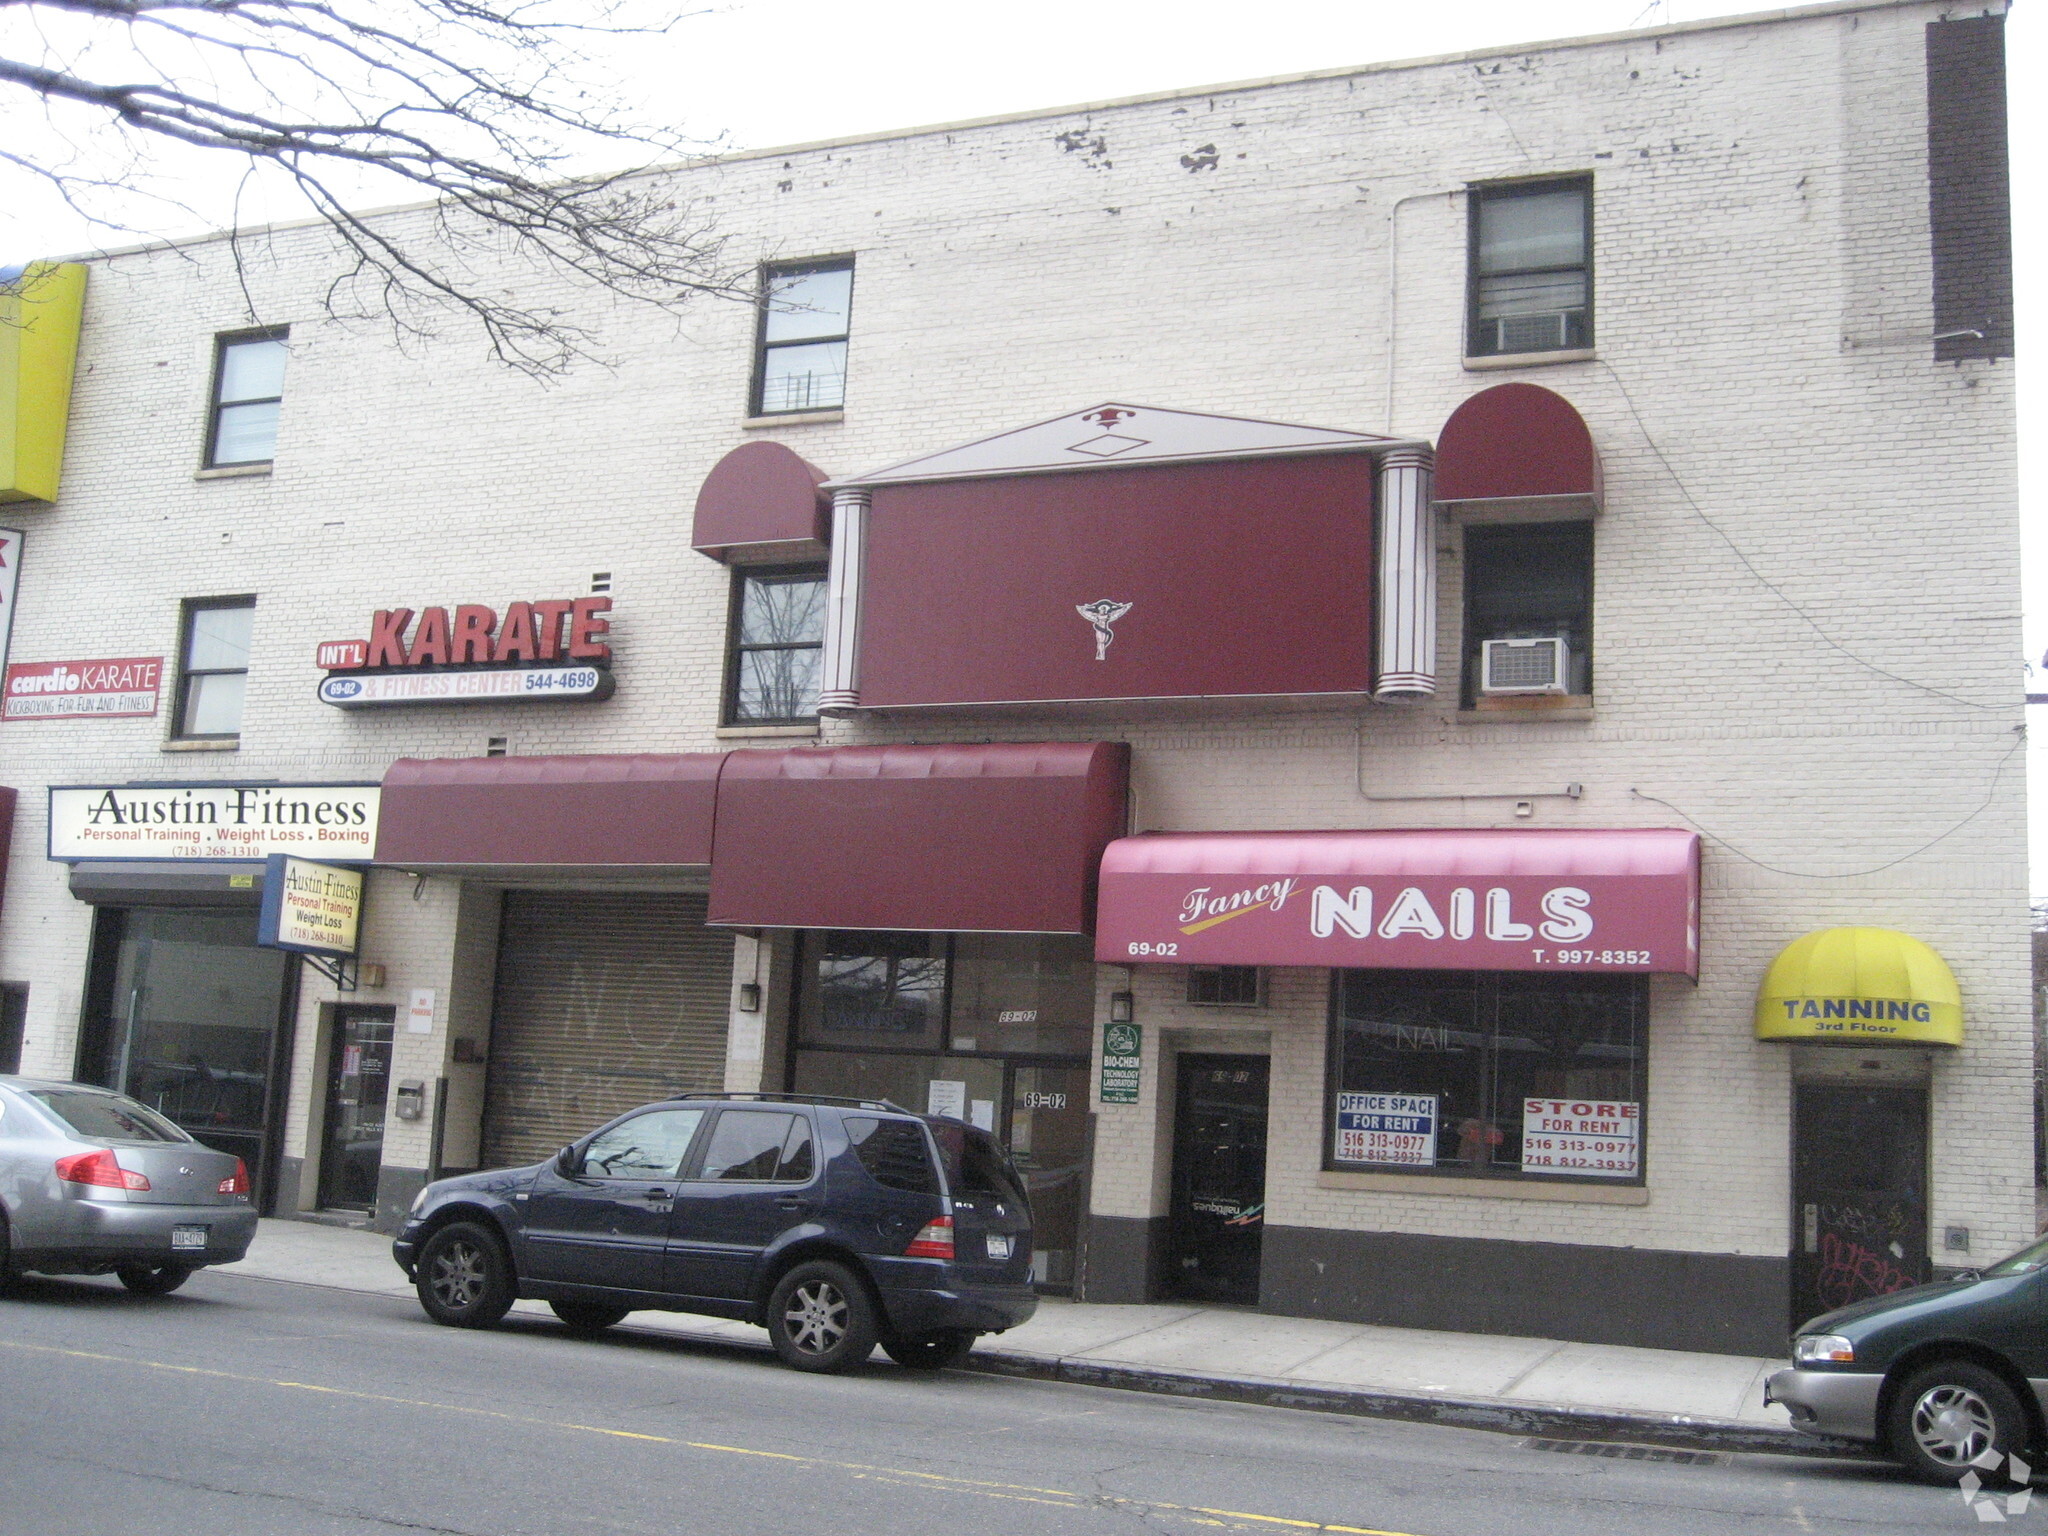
point(395, 1190)
point(1652, 1298)
point(285, 1193)
point(1124, 1256)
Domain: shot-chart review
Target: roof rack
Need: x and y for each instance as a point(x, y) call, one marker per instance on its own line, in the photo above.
point(805, 1098)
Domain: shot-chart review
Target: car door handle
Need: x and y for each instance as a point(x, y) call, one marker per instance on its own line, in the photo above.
point(657, 1194)
point(790, 1202)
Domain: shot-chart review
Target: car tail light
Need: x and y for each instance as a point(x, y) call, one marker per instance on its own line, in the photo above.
point(933, 1241)
point(98, 1168)
point(238, 1182)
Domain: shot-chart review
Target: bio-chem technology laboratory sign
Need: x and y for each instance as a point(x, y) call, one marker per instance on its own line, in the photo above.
point(314, 909)
point(537, 652)
point(213, 821)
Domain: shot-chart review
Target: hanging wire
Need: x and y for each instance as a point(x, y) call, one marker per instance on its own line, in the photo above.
point(1990, 794)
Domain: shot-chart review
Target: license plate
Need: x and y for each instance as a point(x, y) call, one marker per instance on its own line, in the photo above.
point(188, 1237)
point(998, 1247)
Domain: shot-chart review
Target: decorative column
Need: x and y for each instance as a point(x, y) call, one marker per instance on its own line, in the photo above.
point(1407, 585)
point(839, 679)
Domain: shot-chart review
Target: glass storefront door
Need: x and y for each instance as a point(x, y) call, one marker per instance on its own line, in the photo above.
point(184, 1015)
point(992, 1029)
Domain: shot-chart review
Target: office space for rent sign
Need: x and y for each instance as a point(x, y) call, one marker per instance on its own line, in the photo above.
point(1398, 1128)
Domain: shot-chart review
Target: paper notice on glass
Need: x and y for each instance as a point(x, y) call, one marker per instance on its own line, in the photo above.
point(984, 1114)
point(945, 1097)
point(1588, 1137)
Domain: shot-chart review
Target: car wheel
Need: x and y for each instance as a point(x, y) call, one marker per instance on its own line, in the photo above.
point(934, 1351)
point(154, 1279)
point(821, 1318)
point(587, 1316)
point(463, 1277)
point(1953, 1417)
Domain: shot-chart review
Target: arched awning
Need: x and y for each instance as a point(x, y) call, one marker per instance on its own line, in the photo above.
point(1519, 444)
point(1860, 986)
point(763, 499)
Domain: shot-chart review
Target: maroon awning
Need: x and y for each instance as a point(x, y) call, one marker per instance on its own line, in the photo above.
point(761, 494)
point(1517, 442)
point(589, 811)
point(1623, 900)
point(992, 838)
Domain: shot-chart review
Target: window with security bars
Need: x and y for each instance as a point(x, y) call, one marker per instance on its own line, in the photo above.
point(1531, 267)
point(777, 646)
point(800, 358)
point(1224, 986)
point(1528, 610)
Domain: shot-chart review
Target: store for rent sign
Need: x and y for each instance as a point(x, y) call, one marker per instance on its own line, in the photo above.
point(535, 651)
point(311, 908)
point(213, 821)
point(1598, 1138)
point(116, 688)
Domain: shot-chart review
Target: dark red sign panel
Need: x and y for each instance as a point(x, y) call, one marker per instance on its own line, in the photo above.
point(1174, 581)
point(1492, 900)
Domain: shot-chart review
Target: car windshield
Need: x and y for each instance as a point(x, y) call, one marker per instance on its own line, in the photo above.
point(2030, 1258)
point(106, 1116)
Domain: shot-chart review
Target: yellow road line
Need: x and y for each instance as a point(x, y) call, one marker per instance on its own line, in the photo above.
point(901, 1477)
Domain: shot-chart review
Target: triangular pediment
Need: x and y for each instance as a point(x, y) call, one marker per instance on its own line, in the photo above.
point(1108, 435)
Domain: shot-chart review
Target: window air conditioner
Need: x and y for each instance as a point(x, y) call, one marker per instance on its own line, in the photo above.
point(1524, 666)
point(1532, 333)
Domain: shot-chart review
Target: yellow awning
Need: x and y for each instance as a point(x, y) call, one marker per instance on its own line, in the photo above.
point(40, 308)
point(1860, 986)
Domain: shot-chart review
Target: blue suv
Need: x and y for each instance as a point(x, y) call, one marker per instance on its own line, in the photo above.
point(836, 1224)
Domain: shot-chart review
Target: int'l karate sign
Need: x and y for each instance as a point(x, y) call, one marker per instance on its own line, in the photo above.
point(536, 651)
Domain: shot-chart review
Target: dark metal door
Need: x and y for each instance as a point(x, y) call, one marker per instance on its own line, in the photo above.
point(1859, 1193)
point(1219, 1179)
point(358, 1086)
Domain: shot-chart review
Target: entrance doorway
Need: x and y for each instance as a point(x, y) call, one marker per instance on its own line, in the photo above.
point(1859, 1193)
point(1218, 1211)
point(358, 1083)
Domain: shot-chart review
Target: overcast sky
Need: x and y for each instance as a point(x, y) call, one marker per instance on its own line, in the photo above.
point(765, 72)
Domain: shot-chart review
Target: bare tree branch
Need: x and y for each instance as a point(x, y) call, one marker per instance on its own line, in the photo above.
point(480, 108)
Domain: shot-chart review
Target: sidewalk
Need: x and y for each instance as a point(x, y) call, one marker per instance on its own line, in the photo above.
point(1474, 1381)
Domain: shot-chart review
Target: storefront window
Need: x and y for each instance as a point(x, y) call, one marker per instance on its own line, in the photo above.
point(877, 991)
point(989, 1028)
point(1023, 992)
point(1495, 1074)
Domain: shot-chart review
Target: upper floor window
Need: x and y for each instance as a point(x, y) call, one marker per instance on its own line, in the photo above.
point(777, 644)
point(1531, 287)
point(800, 360)
point(1528, 612)
point(248, 385)
point(213, 667)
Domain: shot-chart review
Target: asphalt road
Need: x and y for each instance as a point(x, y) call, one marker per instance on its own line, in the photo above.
point(243, 1407)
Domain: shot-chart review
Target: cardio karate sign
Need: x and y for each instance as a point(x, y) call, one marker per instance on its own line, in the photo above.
point(539, 651)
point(1643, 920)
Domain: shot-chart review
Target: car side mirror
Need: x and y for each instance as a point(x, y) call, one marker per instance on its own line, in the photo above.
point(568, 1161)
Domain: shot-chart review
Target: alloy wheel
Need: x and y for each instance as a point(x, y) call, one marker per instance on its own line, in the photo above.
point(458, 1278)
point(816, 1317)
point(1953, 1425)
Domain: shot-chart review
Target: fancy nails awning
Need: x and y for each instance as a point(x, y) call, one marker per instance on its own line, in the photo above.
point(1620, 900)
point(1860, 986)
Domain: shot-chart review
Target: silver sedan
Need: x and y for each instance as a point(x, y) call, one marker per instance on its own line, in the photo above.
point(93, 1183)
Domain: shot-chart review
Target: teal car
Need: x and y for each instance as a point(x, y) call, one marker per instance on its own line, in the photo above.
point(1944, 1378)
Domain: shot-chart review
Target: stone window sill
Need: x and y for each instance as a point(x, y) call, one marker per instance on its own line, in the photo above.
point(794, 419)
point(1523, 711)
point(1530, 359)
point(1484, 1189)
point(233, 745)
point(743, 732)
point(234, 472)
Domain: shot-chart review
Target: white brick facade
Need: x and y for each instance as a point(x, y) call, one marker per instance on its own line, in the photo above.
point(1806, 589)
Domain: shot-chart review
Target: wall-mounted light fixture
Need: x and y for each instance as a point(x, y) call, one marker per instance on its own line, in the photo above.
point(1121, 1007)
point(750, 997)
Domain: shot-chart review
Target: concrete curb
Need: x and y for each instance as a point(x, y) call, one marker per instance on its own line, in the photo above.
point(1681, 1431)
